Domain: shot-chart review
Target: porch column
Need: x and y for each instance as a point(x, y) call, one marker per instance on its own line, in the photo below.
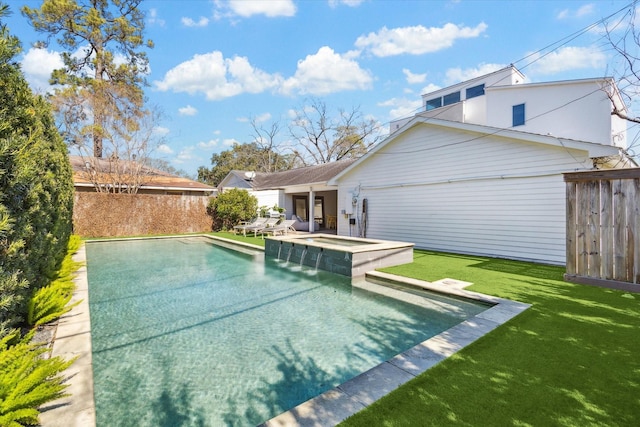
point(312, 200)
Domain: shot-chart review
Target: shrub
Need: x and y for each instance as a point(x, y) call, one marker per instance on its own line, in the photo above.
point(50, 302)
point(36, 188)
point(231, 207)
point(27, 380)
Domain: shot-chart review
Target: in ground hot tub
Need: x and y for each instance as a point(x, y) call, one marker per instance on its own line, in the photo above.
point(349, 256)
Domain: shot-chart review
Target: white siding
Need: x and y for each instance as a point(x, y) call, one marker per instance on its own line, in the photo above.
point(577, 110)
point(269, 198)
point(463, 192)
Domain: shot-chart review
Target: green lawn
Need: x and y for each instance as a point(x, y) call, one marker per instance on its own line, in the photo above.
point(572, 359)
point(259, 241)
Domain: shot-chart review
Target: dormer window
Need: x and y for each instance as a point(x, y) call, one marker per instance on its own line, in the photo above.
point(451, 98)
point(434, 103)
point(474, 91)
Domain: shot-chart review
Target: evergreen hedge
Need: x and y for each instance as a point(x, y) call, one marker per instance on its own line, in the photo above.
point(36, 188)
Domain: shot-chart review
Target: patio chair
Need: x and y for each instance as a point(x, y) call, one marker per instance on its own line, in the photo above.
point(255, 223)
point(270, 222)
point(284, 227)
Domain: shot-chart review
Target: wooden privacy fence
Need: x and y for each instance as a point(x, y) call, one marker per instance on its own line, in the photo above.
point(603, 228)
point(107, 215)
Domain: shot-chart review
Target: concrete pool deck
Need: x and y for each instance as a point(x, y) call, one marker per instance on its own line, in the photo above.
point(73, 338)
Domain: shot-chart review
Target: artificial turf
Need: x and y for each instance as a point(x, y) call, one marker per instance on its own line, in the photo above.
point(572, 359)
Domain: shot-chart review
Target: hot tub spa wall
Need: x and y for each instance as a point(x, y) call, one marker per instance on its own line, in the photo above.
point(347, 263)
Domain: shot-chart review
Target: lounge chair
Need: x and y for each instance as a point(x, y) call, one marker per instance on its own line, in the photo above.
point(284, 227)
point(255, 223)
point(270, 222)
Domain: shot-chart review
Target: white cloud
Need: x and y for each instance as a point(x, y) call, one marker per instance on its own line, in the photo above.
point(414, 78)
point(587, 9)
point(584, 10)
point(350, 3)
point(165, 149)
point(217, 78)
point(230, 142)
point(185, 155)
point(401, 107)
point(457, 75)
point(264, 117)
point(415, 40)
point(327, 72)
point(152, 18)
point(430, 88)
point(188, 22)
point(37, 65)
point(209, 144)
point(568, 58)
point(161, 131)
point(187, 111)
point(271, 8)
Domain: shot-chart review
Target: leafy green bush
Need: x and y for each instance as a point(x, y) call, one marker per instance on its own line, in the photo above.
point(50, 302)
point(36, 188)
point(27, 380)
point(231, 207)
point(74, 244)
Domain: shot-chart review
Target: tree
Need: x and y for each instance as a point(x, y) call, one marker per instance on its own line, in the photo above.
point(99, 94)
point(129, 162)
point(320, 138)
point(624, 37)
point(265, 140)
point(165, 166)
point(250, 157)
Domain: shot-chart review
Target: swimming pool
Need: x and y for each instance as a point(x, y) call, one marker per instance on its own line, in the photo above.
point(185, 330)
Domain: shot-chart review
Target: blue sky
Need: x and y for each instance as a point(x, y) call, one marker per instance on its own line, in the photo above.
point(218, 64)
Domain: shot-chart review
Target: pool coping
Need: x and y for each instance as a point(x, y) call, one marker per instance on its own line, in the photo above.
point(350, 397)
point(73, 339)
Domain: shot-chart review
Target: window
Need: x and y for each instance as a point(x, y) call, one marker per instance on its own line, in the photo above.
point(432, 104)
point(451, 98)
point(518, 115)
point(472, 92)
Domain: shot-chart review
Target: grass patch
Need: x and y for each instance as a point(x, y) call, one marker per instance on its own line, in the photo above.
point(572, 359)
point(258, 241)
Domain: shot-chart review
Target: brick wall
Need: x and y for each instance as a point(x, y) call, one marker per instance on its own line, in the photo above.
point(108, 215)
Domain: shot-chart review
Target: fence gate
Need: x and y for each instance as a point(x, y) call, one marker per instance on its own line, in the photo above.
point(603, 228)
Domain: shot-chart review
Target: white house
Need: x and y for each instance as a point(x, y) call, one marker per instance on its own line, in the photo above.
point(295, 190)
point(480, 170)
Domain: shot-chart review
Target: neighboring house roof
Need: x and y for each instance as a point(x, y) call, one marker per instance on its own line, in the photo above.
point(151, 179)
point(595, 150)
point(309, 175)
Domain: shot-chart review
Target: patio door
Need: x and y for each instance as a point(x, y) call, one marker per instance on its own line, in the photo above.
point(301, 209)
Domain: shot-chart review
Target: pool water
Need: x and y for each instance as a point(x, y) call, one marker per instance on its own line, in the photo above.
point(186, 332)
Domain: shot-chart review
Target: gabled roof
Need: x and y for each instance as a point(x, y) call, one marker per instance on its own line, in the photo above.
point(594, 149)
point(152, 179)
point(309, 175)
